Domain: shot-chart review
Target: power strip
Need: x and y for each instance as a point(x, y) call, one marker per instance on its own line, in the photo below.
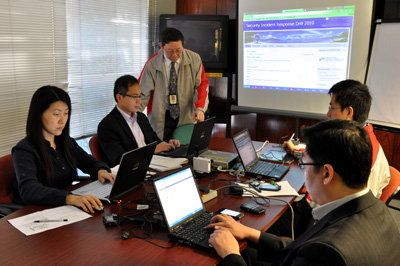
point(209, 196)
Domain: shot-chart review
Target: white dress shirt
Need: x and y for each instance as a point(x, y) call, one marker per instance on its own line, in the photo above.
point(319, 212)
point(134, 126)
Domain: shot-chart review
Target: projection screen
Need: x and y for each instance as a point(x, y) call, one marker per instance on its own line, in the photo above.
point(291, 52)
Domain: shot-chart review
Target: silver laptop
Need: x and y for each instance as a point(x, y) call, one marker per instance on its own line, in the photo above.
point(131, 173)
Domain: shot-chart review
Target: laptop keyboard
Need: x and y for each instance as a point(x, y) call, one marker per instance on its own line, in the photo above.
point(270, 170)
point(179, 152)
point(193, 231)
point(95, 188)
point(262, 167)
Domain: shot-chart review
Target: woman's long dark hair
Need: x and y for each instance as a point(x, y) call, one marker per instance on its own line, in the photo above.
point(41, 101)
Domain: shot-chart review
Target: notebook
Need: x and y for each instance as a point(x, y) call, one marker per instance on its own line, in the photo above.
point(252, 165)
point(183, 210)
point(198, 143)
point(131, 173)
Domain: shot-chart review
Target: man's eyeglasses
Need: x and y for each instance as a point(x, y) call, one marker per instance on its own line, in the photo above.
point(173, 51)
point(302, 164)
point(330, 108)
point(134, 96)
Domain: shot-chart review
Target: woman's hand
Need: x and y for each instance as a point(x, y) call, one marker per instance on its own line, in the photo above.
point(87, 203)
point(103, 175)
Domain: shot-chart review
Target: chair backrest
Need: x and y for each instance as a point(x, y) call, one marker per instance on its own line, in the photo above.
point(7, 177)
point(393, 187)
point(95, 147)
point(183, 133)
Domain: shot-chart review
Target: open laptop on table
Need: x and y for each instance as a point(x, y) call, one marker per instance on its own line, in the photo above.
point(131, 173)
point(183, 210)
point(198, 143)
point(250, 161)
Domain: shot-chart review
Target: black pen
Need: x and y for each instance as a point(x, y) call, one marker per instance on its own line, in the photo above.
point(49, 221)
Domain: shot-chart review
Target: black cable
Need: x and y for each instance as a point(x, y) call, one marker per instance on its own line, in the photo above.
point(146, 228)
point(161, 246)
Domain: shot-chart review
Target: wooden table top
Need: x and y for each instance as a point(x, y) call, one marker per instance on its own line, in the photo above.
point(89, 242)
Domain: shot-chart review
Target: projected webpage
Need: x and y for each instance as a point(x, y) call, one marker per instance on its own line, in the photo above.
point(297, 50)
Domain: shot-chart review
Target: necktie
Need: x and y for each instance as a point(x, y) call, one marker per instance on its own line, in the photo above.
point(173, 92)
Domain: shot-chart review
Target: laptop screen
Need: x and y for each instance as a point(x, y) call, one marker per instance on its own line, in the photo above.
point(245, 148)
point(179, 196)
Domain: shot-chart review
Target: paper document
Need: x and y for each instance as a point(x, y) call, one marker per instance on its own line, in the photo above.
point(286, 190)
point(41, 221)
point(162, 163)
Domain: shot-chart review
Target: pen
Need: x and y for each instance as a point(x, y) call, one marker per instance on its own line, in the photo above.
point(291, 137)
point(49, 221)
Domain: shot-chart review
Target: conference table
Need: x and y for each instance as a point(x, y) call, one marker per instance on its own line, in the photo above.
point(90, 242)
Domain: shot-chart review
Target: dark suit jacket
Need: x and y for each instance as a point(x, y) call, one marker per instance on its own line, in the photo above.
point(360, 232)
point(115, 137)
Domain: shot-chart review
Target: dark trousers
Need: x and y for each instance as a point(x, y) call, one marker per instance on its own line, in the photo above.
point(170, 126)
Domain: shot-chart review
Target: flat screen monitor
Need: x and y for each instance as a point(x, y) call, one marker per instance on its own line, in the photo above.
point(206, 35)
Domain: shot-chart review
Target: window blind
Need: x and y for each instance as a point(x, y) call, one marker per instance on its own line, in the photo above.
point(106, 39)
point(32, 54)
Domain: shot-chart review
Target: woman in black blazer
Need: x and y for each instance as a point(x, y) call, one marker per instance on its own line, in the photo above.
point(46, 160)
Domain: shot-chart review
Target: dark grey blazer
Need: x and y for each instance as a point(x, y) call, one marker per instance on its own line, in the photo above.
point(360, 232)
point(115, 137)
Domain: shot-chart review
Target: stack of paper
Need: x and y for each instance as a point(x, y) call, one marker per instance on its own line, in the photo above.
point(161, 163)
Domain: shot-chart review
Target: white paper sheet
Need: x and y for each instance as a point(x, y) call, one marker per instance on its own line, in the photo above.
point(48, 219)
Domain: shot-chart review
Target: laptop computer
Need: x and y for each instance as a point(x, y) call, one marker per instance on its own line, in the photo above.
point(198, 143)
point(131, 173)
point(251, 164)
point(183, 209)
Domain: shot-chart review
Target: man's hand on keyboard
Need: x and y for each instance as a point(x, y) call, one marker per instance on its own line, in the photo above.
point(163, 146)
point(175, 143)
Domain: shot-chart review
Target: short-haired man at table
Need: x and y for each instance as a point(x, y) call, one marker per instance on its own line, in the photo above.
point(124, 128)
point(352, 227)
point(351, 100)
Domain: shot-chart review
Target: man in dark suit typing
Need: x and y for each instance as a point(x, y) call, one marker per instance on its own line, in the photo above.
point(124, 128)
point(351, 226)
